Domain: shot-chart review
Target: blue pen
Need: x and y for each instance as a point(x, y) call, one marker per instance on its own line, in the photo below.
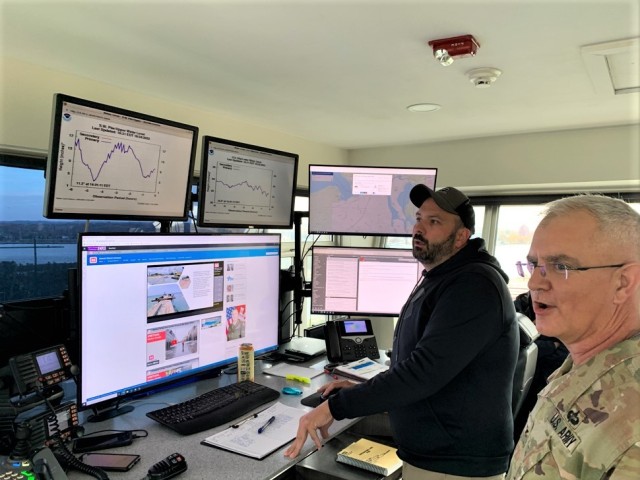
point(264, 427)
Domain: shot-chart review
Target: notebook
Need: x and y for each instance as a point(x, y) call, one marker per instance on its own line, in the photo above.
point(305, 346)
point(372, 456)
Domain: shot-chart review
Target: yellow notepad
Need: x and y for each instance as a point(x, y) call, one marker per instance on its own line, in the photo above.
point(372, 456)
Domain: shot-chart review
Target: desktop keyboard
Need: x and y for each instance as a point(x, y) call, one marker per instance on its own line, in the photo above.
point(218, 406)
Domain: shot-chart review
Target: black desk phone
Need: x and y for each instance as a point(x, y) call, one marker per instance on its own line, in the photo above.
point(350, 339)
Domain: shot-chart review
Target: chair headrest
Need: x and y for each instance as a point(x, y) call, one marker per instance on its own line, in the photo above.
point(528, 331)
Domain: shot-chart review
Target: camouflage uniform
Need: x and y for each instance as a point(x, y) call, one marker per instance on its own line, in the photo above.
point(586, 423)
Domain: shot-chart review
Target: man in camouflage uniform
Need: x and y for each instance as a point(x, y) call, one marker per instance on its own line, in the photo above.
point(584, 262)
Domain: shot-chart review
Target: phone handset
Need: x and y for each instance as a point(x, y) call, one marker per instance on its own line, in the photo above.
point(332, 342)
point(171, 466)
point(46, 466)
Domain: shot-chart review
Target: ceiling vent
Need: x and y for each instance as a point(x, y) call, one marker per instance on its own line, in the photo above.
point(613, 66)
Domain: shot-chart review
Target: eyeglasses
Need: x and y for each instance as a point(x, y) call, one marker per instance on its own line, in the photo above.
point(556, 269)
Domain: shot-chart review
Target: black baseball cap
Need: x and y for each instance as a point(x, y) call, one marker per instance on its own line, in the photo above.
point(449, 199)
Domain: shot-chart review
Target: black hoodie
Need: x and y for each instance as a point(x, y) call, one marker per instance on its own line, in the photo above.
point(448, 391)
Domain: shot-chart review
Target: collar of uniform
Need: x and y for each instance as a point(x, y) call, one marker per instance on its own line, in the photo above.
point(579, 378)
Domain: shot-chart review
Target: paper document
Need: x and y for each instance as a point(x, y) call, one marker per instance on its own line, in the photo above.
point(284, 369)
point(246, 440)
point(362, 369)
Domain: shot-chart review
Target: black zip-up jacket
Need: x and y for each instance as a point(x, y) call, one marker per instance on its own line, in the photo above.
point(448, 391)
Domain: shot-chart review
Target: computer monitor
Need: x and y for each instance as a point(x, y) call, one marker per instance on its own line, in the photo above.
point(355, 200)
point(361, 280)
point(109, 163)
point(158, 308)
point(244, 185)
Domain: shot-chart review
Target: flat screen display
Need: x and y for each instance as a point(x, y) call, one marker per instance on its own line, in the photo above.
point(155, 308)
point(109, 163)
point(354, 200)
point(362, 281)
point(244, 185)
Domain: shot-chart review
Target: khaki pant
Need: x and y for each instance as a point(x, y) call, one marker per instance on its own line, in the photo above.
point(409, 472)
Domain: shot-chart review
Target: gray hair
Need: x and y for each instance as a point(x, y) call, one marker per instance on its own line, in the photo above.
point(615, 218)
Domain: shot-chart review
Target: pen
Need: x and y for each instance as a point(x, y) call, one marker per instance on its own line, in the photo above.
point(264, 427)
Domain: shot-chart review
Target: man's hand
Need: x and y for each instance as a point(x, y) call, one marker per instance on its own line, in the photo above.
point(327, 388)
point(318, 419)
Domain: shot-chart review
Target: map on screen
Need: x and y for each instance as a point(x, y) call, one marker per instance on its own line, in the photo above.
point(364, 200)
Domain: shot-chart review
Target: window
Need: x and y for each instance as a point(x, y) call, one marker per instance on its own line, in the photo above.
point(36, 253)
point(516, 224)
point(405, 242)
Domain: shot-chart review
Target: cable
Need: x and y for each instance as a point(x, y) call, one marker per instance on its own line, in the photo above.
point(63, 454)
point(61, 451)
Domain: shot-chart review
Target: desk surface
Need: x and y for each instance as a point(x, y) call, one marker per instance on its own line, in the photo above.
point(203, 461)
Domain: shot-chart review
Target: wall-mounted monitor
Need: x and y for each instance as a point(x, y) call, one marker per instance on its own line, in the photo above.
point(109, 163)
point(158, 308)
point(362, 280)
point(354, 200)
point(244, 185)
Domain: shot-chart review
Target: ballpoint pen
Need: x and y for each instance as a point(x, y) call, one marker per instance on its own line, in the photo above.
point(264, 427)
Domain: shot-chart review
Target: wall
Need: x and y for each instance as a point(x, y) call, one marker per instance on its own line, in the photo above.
point(27, 98)
point(598, 159)
point(570, 160)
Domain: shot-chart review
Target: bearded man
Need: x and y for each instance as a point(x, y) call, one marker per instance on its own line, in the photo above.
point(449, 387)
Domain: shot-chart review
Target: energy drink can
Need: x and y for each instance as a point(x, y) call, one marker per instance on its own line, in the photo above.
point(245, 362)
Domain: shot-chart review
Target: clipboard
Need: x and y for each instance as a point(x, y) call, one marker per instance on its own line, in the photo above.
point(243, 437)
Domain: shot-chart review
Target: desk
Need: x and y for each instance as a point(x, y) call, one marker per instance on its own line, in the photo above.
point(202, 461)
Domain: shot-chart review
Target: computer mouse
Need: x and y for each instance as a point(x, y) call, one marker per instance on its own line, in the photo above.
point(317, 398)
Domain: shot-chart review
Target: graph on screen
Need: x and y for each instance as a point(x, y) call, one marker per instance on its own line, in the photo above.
point(106, 162)
point(245, 185)
point(242, 185)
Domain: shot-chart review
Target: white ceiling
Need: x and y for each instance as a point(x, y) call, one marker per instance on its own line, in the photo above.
point(343, 72)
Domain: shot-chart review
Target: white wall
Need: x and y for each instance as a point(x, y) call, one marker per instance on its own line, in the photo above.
point(600, 159)
point(27, 99)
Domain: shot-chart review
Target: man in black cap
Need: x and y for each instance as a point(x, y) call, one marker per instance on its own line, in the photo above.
point(448, 391)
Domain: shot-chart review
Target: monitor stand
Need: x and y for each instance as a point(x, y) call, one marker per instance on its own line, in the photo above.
point(109, 412)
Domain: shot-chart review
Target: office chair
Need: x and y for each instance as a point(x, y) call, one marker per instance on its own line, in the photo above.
point(526, 364)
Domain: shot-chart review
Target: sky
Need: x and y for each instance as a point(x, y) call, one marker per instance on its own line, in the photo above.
point(21, 193)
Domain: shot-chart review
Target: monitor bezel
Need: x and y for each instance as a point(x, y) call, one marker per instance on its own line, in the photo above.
point(353, 249)
point(111, 404)
point(202, 184)
point(344, 168)
point(53, 162)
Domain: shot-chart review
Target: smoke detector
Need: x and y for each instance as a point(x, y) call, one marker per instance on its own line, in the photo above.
point(483, 77)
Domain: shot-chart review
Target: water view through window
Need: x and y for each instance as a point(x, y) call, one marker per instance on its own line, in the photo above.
point(36, 253)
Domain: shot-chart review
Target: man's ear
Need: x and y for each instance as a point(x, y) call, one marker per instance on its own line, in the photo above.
point(462, 237)
point(628, 283)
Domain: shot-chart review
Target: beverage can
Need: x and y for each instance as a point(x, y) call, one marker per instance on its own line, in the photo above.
point(245, 362)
